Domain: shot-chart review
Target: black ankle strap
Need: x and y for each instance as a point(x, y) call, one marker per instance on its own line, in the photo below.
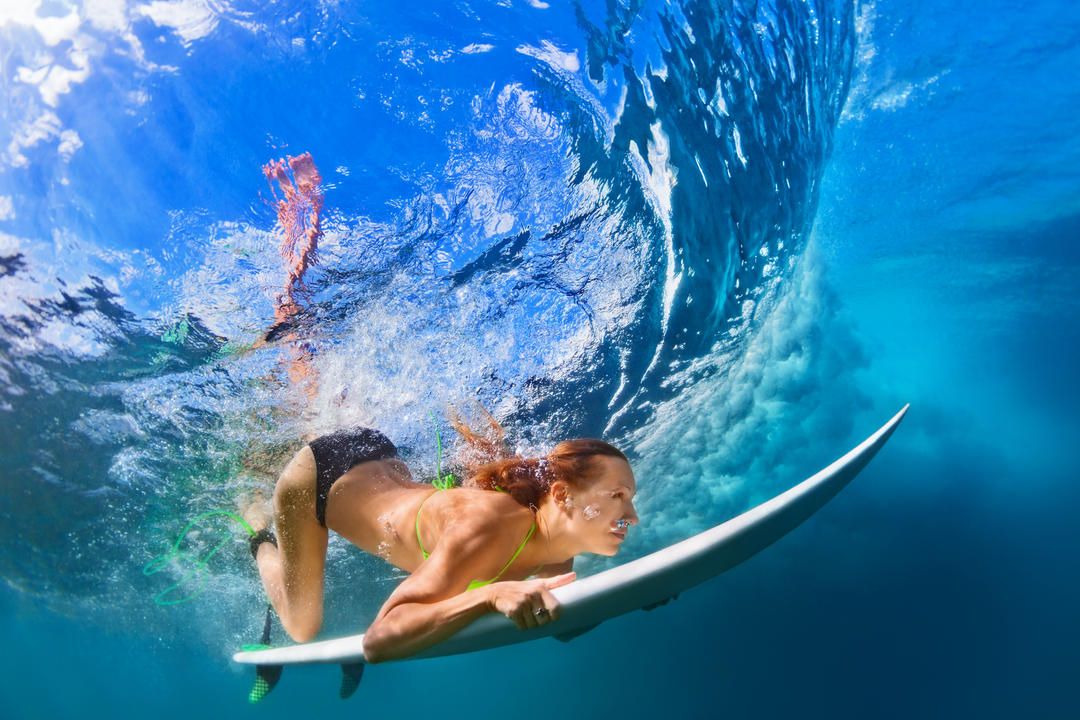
point(263, 536)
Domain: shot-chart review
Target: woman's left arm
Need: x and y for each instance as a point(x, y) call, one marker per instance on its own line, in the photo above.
point(555, 569)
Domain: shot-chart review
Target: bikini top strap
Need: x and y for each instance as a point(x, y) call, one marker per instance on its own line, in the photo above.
point(418, 540)
point(516, 552)
point(504, 567)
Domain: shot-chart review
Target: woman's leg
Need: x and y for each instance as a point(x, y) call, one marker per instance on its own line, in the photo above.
point(292, 572)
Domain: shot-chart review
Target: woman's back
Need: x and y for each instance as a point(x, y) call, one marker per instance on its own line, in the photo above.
point(378, 507)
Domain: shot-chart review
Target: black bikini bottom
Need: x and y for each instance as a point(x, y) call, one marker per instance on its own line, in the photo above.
point(337, 453)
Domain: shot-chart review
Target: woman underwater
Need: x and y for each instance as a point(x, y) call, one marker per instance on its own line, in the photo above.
point(468, 549)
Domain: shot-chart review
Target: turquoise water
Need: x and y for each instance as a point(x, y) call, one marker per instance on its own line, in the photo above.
point(731, 238)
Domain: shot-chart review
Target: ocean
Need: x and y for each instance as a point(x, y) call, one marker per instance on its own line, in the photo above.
point(731, 238)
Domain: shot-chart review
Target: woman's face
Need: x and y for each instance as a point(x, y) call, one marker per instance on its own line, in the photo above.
point(603, 511)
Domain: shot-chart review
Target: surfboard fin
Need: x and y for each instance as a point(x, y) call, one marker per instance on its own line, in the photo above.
point(350, 678)
point(657, 604)
point(266, 677)
point(568, 636)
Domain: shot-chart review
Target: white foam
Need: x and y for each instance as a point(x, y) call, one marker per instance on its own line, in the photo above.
point(733, 437)
point(189, 19)
point(70, 46)
point(45, 127)
point(661, 180)
point(738, 144)
point(549, 53)
point(107, 15)
point(69, 143)
point(53, 30)
point(875, 88)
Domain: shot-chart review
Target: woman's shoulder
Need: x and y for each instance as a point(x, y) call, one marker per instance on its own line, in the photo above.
point(487, 511)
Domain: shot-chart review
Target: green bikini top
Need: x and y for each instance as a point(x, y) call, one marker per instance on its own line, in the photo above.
point(474, 583)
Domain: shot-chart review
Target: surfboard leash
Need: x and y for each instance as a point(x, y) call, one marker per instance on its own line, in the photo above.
point(198, 565)
point(441, 482)
point(266, 676)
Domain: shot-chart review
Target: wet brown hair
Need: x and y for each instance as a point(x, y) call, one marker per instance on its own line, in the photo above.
point(489, 464)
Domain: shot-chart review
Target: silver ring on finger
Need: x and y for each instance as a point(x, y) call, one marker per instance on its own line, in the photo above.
point(541, 612)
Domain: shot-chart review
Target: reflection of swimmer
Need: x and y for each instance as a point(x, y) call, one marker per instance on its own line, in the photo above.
point(297, 190)
point(468, 549)
point(299, 211)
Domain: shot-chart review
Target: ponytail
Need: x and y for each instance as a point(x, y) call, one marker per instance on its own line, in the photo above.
point(527, 480)
point(489, 464)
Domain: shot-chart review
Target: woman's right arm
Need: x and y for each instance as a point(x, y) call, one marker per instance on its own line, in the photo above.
point(433, 604)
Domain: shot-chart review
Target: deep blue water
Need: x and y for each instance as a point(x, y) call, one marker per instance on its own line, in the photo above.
point(732, 238)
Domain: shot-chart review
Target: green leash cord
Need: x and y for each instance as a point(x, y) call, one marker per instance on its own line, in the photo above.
point(266, 676)
point(198, 566)
point(443, 483)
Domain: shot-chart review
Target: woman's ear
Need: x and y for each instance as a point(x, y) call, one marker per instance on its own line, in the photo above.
point(560, 493)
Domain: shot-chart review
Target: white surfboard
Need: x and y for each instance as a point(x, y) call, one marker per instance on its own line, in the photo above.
point(641, 583)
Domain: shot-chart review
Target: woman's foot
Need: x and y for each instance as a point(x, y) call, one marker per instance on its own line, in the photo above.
point(257, 515)
point(256, 512)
